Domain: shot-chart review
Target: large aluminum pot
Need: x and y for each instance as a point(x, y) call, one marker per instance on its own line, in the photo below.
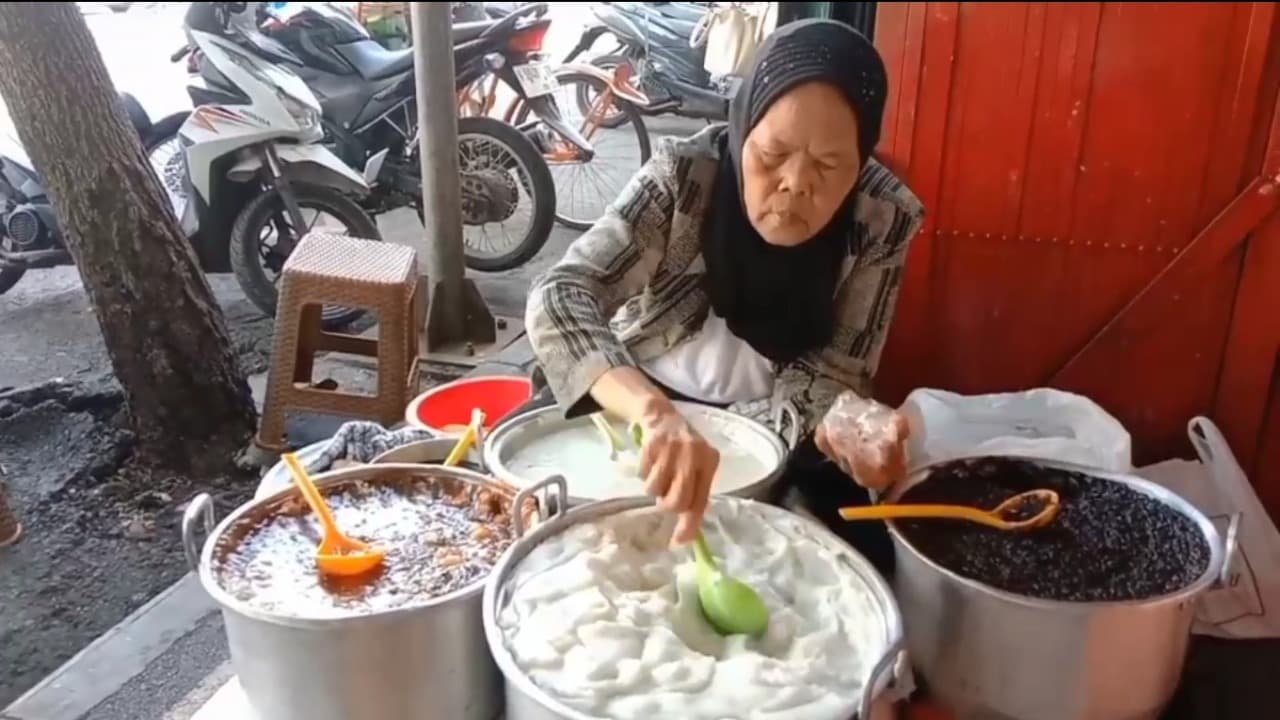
point(526, 701)
point(769, 445)
point(422, 662)
point(989, 654)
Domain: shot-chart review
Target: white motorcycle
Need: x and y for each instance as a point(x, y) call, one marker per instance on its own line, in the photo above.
point(246, 173)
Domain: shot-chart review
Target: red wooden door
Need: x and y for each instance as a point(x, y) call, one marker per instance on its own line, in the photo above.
point(1099, 178)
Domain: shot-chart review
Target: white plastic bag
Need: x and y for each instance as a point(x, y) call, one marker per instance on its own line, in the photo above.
point(732, 32)
point(1041, 423)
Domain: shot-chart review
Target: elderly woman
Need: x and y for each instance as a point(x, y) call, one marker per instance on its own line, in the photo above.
point(752, 266)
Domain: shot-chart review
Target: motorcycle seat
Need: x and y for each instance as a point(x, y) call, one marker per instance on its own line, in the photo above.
point(684, 12)
point(468, 31)
point(658, 26)
point(374, 62)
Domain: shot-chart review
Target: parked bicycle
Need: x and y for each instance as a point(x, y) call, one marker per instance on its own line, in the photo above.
point(665, 45)
point(587, 180)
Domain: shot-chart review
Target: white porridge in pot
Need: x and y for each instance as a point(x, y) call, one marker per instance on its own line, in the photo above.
point(604, 619)
point(531, 447)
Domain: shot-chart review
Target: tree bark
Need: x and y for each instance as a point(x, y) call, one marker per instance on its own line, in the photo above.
point(165, 334)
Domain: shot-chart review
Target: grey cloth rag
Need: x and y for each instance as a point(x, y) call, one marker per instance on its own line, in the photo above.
point(363, 441)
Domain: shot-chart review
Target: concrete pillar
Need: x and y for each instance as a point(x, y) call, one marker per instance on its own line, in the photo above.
point(456, 311)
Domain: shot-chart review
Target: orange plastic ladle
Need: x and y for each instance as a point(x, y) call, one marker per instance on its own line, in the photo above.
point(1004, 516)
point(338, 554)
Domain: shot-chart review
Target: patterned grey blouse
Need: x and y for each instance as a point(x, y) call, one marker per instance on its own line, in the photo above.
point(630, 288)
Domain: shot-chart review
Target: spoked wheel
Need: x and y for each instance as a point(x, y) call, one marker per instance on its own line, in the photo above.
point(258, 256)
point(586, 186)
point(508, 196)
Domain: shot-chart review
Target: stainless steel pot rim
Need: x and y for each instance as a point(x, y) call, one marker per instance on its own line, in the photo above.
point(1173, 500)
point(437, 448)
point(879, 671)
point(333, 477)
point(498, 438)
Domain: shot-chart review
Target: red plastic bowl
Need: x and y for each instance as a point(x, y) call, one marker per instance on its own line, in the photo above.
point(451, 403)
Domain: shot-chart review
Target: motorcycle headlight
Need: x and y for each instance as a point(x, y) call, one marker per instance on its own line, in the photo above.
point(307, 117)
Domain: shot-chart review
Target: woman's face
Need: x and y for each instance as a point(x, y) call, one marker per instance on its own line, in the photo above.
point(799, 163)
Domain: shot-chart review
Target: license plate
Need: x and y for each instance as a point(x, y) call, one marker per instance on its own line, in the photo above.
point(537, 79)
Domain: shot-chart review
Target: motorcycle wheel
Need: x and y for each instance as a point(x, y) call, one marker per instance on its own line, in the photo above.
point(533, 174)
point(9, 277)
point(247, 252)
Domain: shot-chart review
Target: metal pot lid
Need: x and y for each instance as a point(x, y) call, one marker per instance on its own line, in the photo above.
point(277, 478)
point(531, 446)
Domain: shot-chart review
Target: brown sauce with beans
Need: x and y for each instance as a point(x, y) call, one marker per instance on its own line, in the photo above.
point(440, 535)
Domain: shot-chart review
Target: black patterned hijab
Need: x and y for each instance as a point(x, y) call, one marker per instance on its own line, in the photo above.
point(780, 299)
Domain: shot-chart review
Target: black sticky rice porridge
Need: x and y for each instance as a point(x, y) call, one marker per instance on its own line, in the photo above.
point(440, 535)
point(1107, 543)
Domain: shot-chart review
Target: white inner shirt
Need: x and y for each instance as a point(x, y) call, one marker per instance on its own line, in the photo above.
point(714, 366)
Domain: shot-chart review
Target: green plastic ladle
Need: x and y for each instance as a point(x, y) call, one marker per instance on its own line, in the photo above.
point(730, 605)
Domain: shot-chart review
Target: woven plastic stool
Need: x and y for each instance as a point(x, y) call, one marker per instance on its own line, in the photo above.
point(338, 270)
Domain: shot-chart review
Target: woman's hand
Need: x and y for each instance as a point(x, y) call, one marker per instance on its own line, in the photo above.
point(866, 439)
point(677, 463)
point(678, 466)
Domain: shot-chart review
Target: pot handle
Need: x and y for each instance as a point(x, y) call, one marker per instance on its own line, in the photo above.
point(199, 512)
point(786, 422)
point(885, 673)
point(554, 505)
point(1229, 545)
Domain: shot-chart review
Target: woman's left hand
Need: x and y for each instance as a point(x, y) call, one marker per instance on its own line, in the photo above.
point(867, 439)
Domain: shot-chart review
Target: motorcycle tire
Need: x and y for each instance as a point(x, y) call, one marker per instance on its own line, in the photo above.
point(541, 187)
point(9, 277)
point(246, 234)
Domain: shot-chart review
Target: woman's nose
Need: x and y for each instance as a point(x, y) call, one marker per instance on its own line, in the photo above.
point(796, 177)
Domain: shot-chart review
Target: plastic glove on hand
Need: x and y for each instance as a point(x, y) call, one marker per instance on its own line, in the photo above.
point(867, 439)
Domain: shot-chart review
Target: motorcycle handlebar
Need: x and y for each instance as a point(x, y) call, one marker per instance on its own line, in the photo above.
point(181, 53)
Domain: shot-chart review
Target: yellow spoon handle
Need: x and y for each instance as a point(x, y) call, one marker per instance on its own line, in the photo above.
point(885, 512)
point(311, 493)
point(468, 438)
point(616, 443)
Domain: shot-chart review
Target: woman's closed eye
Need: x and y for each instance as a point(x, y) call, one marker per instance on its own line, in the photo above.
point(772, 157)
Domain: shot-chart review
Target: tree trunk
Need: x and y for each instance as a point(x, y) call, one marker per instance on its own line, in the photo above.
point(165, 334)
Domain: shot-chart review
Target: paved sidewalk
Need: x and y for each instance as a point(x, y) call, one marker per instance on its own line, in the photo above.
point(168, 658)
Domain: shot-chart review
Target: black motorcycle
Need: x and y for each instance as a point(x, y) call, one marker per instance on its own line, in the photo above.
point(30, 237)
point(368, 94)
point(654, 38)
